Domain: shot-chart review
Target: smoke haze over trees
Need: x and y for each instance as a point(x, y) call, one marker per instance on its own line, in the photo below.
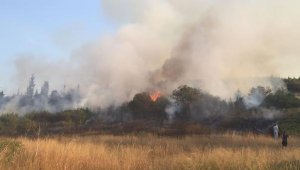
point(184, 99)
point(185, 106)
point(61, 111)
point(214, 62)
point(35, 100)
point(217, 46)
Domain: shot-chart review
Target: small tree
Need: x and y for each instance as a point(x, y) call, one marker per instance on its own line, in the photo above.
point(30, 88)
point(239, 104)
point(45, 89)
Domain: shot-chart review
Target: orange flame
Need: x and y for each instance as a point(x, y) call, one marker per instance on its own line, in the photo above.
point(155, 95)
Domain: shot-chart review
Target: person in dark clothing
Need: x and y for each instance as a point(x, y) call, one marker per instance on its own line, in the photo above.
point(284, 139)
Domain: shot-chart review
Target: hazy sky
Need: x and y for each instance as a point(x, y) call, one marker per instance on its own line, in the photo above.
point(142, 35)
point(46, 29)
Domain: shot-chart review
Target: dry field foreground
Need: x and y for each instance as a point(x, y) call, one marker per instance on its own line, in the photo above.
point(149, 152)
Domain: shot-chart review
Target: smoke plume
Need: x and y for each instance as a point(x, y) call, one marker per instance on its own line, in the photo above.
point(218, 46)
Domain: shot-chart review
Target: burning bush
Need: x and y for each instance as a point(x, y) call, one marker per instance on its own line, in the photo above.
point(144, 107)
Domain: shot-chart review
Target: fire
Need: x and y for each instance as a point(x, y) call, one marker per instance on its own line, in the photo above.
point(155, 95)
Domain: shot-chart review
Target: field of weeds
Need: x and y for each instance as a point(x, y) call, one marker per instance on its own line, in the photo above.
point(228, 151)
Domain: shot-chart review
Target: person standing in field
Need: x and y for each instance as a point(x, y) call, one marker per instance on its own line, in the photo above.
point(275, 131)
point(284, 139)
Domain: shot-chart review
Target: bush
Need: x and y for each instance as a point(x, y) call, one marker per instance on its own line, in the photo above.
point(8, 123)
point(27, 126)
point(143, 107)
point(281, 99)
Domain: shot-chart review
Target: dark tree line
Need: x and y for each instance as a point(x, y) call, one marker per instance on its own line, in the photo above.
point(293, 84)
point(54, 111)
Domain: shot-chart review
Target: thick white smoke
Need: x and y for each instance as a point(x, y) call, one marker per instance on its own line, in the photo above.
point(218, 46)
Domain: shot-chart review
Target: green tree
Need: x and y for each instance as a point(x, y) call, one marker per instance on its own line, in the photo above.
point(79, 116)
point(184, 96)
point(293, 84)
point(140, 105)
point(282, 99)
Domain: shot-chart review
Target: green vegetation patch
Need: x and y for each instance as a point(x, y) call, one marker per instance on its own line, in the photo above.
point(291, 122)
point(9, 149)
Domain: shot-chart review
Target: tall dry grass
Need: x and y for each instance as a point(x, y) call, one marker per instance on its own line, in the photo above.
point(227, 151)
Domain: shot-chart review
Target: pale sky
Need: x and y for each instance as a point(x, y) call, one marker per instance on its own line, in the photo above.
point(47, 30)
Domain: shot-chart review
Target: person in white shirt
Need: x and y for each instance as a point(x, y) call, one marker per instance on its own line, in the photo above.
point(275, 131)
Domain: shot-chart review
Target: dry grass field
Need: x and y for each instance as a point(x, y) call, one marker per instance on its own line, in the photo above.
point(228, 151)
